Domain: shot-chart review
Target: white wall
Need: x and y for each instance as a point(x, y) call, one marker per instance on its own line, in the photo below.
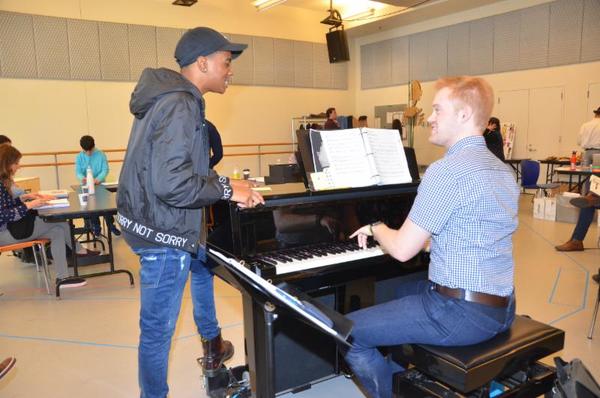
point(47, 115)
point(575, 80)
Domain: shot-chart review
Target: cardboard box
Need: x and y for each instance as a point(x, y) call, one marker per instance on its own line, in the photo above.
point(565, 211)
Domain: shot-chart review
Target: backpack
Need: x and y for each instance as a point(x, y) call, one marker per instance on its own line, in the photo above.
point(573, 380)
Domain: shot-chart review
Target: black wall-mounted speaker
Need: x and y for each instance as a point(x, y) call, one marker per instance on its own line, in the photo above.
point(337, 46)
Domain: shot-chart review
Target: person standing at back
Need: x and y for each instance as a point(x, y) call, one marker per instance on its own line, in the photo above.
point(589, 138)
point(92, 157)
point(331, 123)
point(493, 138)
point(164, 186)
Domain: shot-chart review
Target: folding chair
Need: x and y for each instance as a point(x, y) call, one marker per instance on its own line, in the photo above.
point(39, 255)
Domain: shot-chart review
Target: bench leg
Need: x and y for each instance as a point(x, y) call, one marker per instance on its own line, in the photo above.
point(594, 315)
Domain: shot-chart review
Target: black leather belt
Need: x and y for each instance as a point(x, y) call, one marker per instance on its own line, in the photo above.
point(475, 297)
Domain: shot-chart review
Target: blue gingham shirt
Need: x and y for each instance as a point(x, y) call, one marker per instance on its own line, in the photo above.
point(468, 201)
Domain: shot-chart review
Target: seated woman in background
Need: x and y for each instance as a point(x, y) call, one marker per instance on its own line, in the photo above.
point(14, 209)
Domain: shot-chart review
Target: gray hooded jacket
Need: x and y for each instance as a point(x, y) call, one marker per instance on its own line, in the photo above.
point(165, 181)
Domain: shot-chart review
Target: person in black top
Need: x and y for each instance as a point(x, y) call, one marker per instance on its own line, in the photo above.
point(216, 146)
point(493, 138)
point(331, 123)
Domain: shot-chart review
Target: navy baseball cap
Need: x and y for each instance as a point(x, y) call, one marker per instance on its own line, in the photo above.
point(204, 41)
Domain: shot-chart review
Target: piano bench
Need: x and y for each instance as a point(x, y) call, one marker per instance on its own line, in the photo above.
point(504, 363)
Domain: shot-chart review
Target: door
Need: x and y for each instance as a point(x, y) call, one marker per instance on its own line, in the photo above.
point(513, 107)
point(546, 108)
point(593, 99)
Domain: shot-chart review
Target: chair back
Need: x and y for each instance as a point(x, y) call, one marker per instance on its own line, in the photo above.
point(530, 171)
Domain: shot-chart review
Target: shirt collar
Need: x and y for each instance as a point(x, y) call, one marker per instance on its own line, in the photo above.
point(473, 140)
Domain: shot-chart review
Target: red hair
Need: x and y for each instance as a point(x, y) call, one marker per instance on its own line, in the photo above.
point(473, 92)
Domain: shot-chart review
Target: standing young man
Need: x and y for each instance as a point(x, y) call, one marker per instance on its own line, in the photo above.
point(165, 184)
point(469, 296)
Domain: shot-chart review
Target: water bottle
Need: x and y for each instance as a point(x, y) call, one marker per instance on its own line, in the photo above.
point(89, 179)
point(573, 160)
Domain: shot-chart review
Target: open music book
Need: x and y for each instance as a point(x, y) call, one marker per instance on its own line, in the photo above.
point(357, 158)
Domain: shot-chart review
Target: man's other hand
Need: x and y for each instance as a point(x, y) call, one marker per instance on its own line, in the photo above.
point(245, 196)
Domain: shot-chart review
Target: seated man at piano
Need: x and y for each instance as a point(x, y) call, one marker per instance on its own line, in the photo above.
point(467, 206)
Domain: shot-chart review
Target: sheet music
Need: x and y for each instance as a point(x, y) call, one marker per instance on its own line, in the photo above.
point(291, 301)
point(347, 158)
point(389, 156)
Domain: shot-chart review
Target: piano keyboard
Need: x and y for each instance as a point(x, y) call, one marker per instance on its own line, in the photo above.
point(314, 256)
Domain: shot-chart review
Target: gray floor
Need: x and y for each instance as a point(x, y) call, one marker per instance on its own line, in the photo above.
point(85, 344)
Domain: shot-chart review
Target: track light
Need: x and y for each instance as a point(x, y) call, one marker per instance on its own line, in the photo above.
point(359, 15)
point(186, 3)
point(262, 5)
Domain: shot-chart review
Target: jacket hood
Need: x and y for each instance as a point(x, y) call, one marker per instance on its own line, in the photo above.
point(154, 83)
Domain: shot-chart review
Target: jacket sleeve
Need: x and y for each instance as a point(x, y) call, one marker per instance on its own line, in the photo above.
point(103, 168)
point(79, 168)
point(174, 179)
point(10, 209)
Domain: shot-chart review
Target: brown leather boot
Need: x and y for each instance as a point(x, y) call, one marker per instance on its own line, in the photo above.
point(216, 351)
point(572, 245)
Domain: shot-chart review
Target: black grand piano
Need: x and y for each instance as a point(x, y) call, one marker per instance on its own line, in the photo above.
point(300, 239)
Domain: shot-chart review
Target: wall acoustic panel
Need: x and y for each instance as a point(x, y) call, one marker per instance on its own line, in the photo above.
point(51, 47)
point(458, 49)
point(114, 51)
point(142, 49)
point(263, 61)
point(283, 53)
point(339, 75)
point(166, 40)
point(437, 53)
point(367, 62)
point(590, 39)
point(383, 64)
point(243, 66)
point(506, 41)
point(533, 40)
point(303, 64)
point(84, 49)
point(399, 48)
point(566, 20)
point(418, 56)
point(481, 48)
point(17, 47)
point(322, 69)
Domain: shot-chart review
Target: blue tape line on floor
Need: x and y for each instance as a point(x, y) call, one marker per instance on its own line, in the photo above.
point(582, 267)
point(64, 341)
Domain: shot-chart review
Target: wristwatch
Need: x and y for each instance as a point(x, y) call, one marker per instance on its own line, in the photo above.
point(373, 225)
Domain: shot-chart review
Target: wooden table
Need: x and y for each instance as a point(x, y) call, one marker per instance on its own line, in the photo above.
point(515, 164)
point(102, 203)
point(550, 165)
point(583, 175)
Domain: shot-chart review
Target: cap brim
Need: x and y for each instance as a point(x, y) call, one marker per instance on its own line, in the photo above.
point(235, 48)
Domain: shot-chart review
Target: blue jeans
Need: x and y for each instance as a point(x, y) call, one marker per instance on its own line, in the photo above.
point(586, 216)
point(163, 274)
point(418, 315)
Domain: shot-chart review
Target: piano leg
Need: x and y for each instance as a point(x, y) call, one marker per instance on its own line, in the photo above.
point(258, 334)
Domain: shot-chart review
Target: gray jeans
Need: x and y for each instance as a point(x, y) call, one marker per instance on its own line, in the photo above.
point(59, 235)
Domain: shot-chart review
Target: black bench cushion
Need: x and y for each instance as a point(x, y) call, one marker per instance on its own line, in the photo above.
point(467, 368)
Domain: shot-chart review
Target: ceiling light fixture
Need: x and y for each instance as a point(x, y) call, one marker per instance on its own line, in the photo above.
point(359, 15)
point(262, 5)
